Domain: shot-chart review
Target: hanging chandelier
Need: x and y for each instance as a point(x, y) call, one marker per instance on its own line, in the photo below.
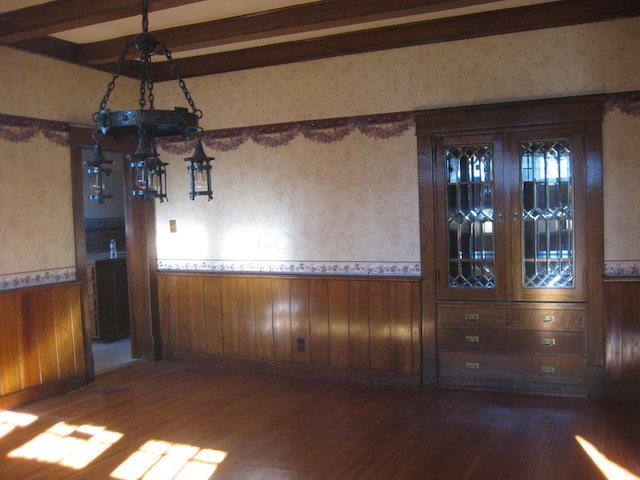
point(148, 174)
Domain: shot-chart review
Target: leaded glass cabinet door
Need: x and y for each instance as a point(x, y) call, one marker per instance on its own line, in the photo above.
point(470, 240)
point(548, 217)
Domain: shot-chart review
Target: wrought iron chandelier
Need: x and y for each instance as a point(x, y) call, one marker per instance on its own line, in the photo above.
point(147, 123)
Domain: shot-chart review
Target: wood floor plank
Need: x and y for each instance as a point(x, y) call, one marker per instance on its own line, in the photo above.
point(286, 428)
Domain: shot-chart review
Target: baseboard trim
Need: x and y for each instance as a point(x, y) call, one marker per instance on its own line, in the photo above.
point(298, 370)
point(39, 392)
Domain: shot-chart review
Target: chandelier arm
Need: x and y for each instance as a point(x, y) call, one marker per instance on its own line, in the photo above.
point(183, 86)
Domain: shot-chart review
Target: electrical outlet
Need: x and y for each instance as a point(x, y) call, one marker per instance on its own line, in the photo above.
point(300, 344)
point(173, 228)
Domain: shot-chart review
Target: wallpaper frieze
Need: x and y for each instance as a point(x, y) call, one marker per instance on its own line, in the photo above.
point(16, 129)
point(381, 127)
point(34, 279)
point(409, 269)
point(625, 102)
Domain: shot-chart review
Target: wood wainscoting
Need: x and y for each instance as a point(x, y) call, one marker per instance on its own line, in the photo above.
point(41, 343)
point(350, 328)
point(622, 344)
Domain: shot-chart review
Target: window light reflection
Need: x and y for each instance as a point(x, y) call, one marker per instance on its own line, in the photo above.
point(159, 460)
point(10, 420)
point(68, 445)
point(611, 470)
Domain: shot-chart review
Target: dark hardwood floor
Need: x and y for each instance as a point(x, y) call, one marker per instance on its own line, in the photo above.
point(213, 424)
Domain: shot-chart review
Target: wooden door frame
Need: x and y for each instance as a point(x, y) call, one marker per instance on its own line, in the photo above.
point(141, 254)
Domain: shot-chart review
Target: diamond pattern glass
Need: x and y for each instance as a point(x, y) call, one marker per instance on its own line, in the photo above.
point(470, 242)
point(547, 214)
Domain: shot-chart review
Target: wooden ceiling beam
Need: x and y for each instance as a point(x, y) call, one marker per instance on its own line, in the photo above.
point(283, 21)
point(556, 14)
point(58, 16)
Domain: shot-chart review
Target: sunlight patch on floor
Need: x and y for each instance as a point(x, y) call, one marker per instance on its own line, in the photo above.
point(611, 470)
point(68, 445)
point(10, 420)
point(159, 460)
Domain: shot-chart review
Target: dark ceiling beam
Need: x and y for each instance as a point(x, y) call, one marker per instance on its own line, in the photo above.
point(556, 14)
point(58, 16)
point(283, 21)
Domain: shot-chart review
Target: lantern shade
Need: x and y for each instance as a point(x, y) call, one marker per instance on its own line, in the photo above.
point(199, 172)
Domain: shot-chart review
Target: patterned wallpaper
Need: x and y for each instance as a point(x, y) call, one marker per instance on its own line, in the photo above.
point(361, 211)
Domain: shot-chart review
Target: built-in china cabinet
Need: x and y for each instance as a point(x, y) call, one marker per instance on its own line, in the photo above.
point(512, 246)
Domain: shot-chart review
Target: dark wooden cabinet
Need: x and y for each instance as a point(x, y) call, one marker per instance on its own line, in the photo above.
point(511, 230)
point(108, 299)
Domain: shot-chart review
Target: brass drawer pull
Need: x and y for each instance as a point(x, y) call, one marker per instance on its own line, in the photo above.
point(547, 369)
point(472, 317)
point(472, 339)
point(548, 318)
point(473, 366)
point(548, 342)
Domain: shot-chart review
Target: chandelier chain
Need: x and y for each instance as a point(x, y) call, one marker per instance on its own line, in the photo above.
point(112, 84)
point(183, 86)
point(145, 16)
point(146, 84)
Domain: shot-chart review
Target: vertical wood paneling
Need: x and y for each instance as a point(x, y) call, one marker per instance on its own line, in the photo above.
point(346, 323)
point(64, 332)
point(319, 338)
point(182, 324)
point(300, 318)
point(41, 339)
point(166, 289)
point(45, 324)
point(613, 325)
point(380, 325)
point(229, 295)
point(622, 345)
point(417, 335)
point(280, 296)
point(246, 317)
point(29, 341)
point(401, 327)
point(10, 351)
point(213, 312)
point(630, 326)
point(339, 322)
point(359, 334)
point(263, 318)
point(196, 319)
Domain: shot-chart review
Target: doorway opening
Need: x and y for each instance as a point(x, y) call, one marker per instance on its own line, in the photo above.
point(106, 259)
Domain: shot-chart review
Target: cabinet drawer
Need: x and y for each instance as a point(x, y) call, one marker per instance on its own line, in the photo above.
point(509, 340)
point(470, 315)
point(548, 319)
point(521, 368)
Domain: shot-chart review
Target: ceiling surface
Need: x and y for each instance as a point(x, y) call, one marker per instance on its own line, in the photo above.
point(214, 36)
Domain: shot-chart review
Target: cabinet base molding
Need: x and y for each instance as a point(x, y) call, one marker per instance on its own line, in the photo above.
point(300, 370)
point(512, 386)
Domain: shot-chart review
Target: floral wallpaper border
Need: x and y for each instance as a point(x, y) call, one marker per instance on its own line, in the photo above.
point(16, 129)
point(380, 126)
point(33, 279)
point(387, 269)
point(617, 268)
